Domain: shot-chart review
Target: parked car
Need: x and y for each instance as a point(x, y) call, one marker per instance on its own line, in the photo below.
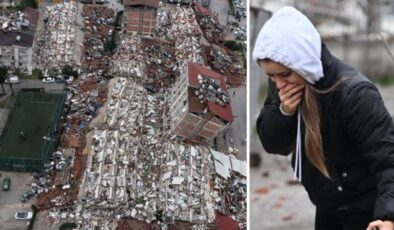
point(48, 80)
point(6, 183)
point(12, 80)
point(27, 195)
point(22, 215)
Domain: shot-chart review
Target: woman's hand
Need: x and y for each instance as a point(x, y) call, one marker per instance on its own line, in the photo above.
point(381, 225)
point(290, 96)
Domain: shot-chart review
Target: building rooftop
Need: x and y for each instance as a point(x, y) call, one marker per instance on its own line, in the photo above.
point(32, 15)
point(148, 3)
point(10, 38)
point(18, 28)
point(195, 70)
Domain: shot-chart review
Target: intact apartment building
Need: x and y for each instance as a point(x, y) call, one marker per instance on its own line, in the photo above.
point(200, 106)
point(16, 40)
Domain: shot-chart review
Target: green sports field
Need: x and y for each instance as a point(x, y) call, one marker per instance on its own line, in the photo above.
point(34, 113)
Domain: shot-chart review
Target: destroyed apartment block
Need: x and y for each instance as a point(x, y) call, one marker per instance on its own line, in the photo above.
point(140, 16)
point(226, 62)
point(161, 69)
point(135, 170)
point(98, 31)
point(17, 34)
point(85, 96)
point(129, 60)
point(199, 104)
point(209, 24)
point(57, 44)
point(185, 32)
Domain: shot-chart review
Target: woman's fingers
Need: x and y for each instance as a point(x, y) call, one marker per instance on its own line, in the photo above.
point(288, 91)
point(291, 96)
point(381, 225)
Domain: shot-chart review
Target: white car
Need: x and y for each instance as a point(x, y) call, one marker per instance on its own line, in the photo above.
point(12, 80)
point(23, 215)
point(48, 80)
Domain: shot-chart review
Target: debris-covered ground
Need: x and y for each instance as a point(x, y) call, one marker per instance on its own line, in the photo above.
point(117, 163)
point(56, 44)
point(98, 36)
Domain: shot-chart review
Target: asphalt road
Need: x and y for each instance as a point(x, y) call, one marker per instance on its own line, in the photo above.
point(236, 134)
point(9, 200)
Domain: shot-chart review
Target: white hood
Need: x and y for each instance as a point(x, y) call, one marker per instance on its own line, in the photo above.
point(289, 38)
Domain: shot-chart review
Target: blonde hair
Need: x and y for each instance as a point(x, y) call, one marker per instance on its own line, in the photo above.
point(311, 116)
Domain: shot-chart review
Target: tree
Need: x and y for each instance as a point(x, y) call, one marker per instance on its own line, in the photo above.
point(3, 76)
point(67, 70)
point(37, 74)
point(26, 3)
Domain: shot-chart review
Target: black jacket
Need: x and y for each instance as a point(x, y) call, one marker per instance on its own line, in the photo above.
point(358, 142)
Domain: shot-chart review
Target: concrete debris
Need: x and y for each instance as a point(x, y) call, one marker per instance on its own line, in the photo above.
point(226, 62)
point(210, 90)
point(209, 24)
point(85, 96)
point(11, 21)
point(98, 31)
point(136, 170)
point(184, 31)
point(129, 60)
point(161, 67)
point(56, 45)
point(135, 167)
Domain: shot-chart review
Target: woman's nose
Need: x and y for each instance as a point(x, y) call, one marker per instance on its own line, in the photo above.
point(280, 83)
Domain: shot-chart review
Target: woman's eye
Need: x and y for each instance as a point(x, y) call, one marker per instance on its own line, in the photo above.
point(287, 74)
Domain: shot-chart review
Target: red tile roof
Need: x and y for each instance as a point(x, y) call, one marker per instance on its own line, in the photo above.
point(150, 3)
point(194, 70)
point(205, 11)
point(221, 111)
point(134, 21)
point(225, 222)
point(32, 15)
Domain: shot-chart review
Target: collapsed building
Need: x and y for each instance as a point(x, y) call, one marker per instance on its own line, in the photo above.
point(98, 33)
point(140, 16)
point(229, 63)
point(200, 107)
point(58, 45)
point(16, 39)
point(209, 23)
point(135, 170)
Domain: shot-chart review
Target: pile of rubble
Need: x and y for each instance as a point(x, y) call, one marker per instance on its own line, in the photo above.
point(210, 90)
point(230, 187)
point(86, 95)
point(228, 63)
point(163, 23)
point(11, 21)
point(129, 59)
point(209, 24)
point(98, 22)
point(185, 32)
point(161, 67)
point(135, 169)
point(55, 47)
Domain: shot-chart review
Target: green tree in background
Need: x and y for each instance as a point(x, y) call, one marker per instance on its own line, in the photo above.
point(3, 76)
